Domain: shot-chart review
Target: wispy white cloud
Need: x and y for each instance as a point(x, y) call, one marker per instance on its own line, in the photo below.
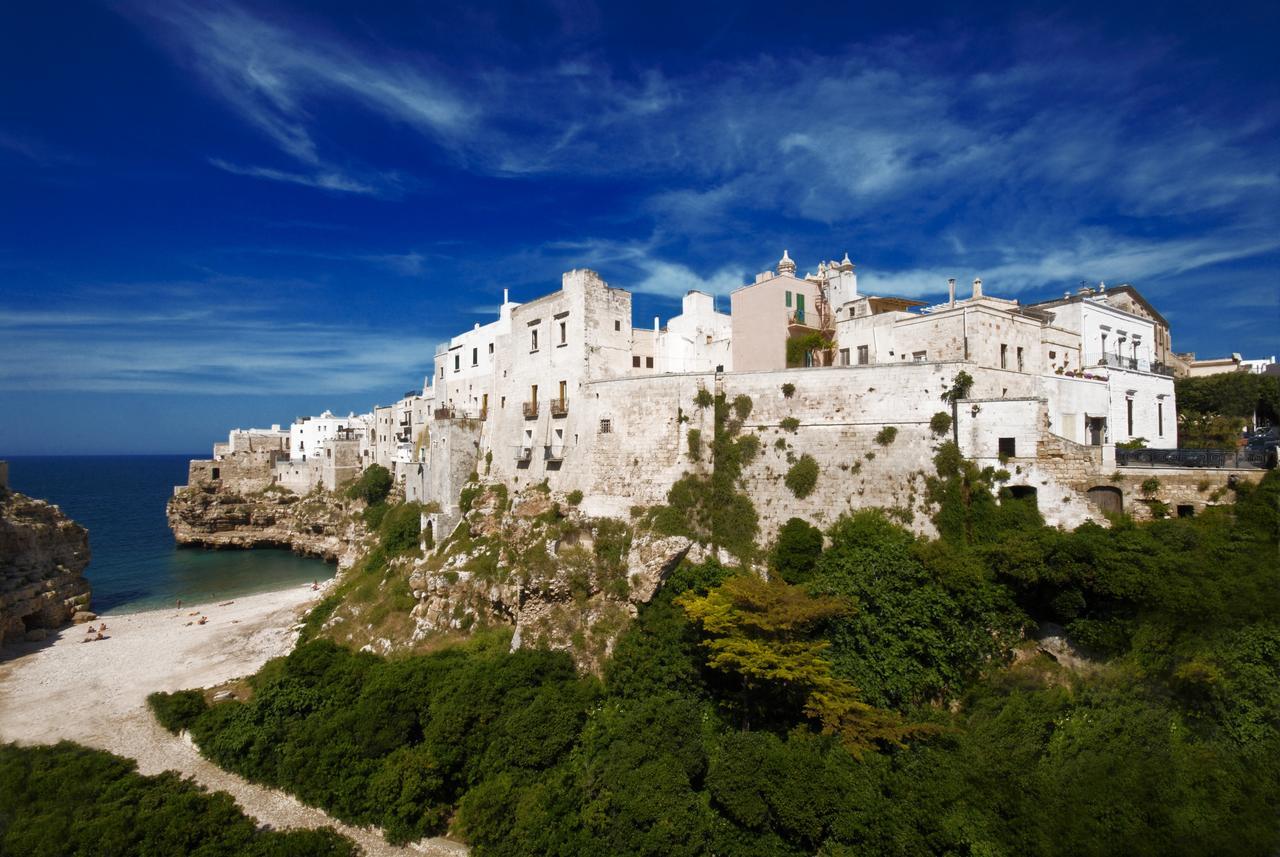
point(325, 178)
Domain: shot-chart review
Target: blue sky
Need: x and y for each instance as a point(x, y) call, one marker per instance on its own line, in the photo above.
point(216, 215)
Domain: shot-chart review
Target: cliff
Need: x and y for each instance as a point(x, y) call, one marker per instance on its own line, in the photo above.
point(561, 579)
point(318, 524)
point(43, 554)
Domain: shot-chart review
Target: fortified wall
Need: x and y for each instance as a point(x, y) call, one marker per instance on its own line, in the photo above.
point(626, 440)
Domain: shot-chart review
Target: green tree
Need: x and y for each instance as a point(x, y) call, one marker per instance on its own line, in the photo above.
point(761, 631)
point(373, 486)
point(796, 551)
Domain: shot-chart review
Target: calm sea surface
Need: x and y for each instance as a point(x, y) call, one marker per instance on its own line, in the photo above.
point(136, 565)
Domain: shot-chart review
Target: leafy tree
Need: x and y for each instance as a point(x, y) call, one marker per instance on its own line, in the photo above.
point(760, 631)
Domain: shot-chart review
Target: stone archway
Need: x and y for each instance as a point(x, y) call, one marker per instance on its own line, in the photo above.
point(1108, 498)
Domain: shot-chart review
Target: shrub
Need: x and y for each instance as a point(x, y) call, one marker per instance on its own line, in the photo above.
point(886, 435)
point(695, 444)
point(940, 423)
point(1135, 443)
point(789, 424)
point(742, 405)
point(574, 497)
point(803, 476)
point(372, 516)
point(788, 389)
point(373, 486)
point(796, 551)
point(400, 528)
point(959, 389)
point(704, 399)
point(1149, 486)
point(177, 711)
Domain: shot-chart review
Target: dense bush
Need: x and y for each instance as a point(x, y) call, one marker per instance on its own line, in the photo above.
point(373, 486)
point(796, 551)
point(729, 707)
point(176, 711)
point(68, 799)
point(802, 477)
point(940, 423)
point(886, 435)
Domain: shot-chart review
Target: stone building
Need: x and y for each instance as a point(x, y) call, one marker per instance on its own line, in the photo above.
point(564, 390)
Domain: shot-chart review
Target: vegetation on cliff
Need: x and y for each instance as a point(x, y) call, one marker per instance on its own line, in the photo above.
point(68, 799)
point(1144, 718)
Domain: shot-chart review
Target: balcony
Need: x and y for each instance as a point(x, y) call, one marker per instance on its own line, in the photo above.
point(1133, 364)
point(530, 410)
point(553, 452)
point(524, 454)
point(1232, 459)
point(801, 318)
point(445, 414)
point(559, 407)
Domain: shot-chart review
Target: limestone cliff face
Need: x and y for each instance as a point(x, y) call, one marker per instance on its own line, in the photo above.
point(319, 524)
point(563, 580)
point(43, 554)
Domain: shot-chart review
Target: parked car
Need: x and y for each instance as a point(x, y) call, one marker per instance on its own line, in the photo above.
point(1266, 441)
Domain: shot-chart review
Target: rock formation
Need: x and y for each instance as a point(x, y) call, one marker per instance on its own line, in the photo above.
point(563, 580)
point(318, 524)
point(43, 554)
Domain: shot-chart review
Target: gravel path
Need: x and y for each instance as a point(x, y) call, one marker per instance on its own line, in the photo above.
point(95, 694)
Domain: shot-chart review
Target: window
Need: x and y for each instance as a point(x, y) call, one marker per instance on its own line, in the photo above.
point(1019, 358)
point(563, 334)
point(648, 362)
point(800, 308)
point(844, 356)
point(1160, 419)
point(564, 391)
point(919, 356)
point(457, 362)
point(617, 325)
point(1053, 355)
point(863, 356)
point(215, 473)
point(475, 356)
point(533, 394)
point(606, 426)
point(635, 362)
point(1008, 447)
point(502, 402)
point(788, 299)
point(1004, 356)
point(441, 371)
point(490, 347)
point(1129, 410)
point(533, 339)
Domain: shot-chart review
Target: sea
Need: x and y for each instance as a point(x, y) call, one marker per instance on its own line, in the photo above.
point(136, 565)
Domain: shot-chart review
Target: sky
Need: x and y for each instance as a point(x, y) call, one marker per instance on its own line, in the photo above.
point(220, 215)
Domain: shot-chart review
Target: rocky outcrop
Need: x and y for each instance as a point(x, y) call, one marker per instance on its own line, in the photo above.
point(319, 524)
point(43, 554)
point(562, 579)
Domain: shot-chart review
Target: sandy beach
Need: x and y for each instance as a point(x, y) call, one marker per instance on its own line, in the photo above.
point(95, 693)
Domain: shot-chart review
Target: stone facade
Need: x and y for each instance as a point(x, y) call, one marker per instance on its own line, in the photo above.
point(43, 555)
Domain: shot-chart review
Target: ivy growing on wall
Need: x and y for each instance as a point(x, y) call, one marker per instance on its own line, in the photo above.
point(711, 507)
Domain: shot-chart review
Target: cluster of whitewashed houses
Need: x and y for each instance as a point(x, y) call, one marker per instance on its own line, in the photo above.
point(554, 387)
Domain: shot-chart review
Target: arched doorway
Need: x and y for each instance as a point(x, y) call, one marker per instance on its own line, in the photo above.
point(1108, 498)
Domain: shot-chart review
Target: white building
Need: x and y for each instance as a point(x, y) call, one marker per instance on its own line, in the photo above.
point(308, 434)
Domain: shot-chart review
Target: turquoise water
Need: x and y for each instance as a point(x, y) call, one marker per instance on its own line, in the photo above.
point(136, 566)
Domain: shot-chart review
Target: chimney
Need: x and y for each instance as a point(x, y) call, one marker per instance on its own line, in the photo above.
point(951, 292)
point(655, 324)
point(505, 298)
point(977, 287)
